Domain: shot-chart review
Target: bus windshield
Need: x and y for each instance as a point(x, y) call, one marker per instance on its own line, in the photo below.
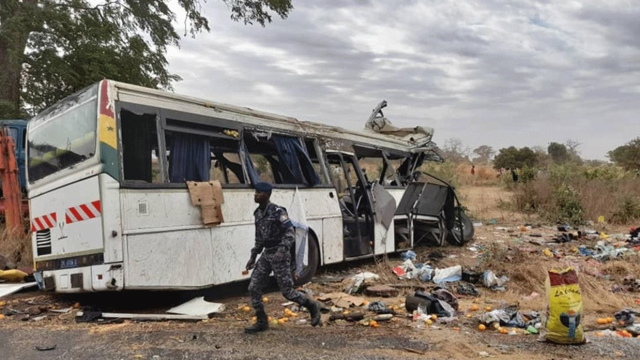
point(63, 135)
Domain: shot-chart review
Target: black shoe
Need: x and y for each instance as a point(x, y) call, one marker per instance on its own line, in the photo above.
point(314, 310)
point(261, 324)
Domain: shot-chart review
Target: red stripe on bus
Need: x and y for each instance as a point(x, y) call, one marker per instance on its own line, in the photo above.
point(87, 211)
point(40, 226)
point(96, 204)
point(54, 216)
point(76, 214)
point(46, 219)
point(104, 100)
point(67, 219)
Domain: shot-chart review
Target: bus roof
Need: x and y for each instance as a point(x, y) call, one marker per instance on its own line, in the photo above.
point(281, 122)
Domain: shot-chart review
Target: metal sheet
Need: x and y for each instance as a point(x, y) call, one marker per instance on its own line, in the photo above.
point(8, 289)
point(197, 307)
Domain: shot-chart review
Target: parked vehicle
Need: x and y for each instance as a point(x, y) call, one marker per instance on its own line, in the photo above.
point(17, 129)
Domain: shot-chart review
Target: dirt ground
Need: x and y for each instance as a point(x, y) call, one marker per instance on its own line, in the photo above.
point(503, 245)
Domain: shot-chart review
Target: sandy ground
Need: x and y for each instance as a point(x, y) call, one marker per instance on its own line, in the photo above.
point(504, 247)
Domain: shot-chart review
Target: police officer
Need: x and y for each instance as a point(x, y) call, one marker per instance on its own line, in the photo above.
point(275, 238)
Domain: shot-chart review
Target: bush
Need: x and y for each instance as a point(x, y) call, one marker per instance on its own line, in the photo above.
point(569, 207)
point(574, 194)
point(628, 211)
point(445, 171)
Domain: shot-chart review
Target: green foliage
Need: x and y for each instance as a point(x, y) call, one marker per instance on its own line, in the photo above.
point(445, 171)
point(558, 152)
point(628, 210)
point(628, 155)
point(527, 174)
point(605, 172)
point(569, 205)
point(73, 43)
point(515, 158)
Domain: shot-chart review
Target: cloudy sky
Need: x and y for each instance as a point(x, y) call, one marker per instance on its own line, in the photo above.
point(500, 73)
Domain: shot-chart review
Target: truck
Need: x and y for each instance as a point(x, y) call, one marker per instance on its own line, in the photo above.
point(17, 129)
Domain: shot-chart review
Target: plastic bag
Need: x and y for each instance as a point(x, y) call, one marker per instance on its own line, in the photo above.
point(563, 324)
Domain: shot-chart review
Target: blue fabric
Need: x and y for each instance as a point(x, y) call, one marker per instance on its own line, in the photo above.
point(253, 174)
point(296, 166)
point(190, 158)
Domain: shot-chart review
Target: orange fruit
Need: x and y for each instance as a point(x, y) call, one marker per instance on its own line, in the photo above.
point(482, 327)
point(488, 308)
point(474, 307)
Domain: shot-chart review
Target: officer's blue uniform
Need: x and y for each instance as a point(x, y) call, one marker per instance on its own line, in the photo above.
point(274, 232)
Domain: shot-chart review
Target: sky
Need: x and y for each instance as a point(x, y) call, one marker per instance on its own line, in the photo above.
point(487, 72)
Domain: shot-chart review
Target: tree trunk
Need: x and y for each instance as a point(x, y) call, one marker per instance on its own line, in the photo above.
point(13, 41)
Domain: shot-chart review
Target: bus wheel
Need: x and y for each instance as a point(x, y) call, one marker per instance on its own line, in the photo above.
point(309, 271)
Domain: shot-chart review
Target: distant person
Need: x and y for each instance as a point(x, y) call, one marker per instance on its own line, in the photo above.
point(473, 169)
point(514, 175)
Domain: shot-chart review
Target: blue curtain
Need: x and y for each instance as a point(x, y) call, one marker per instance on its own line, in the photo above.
point(190, 158)
point(295, 165)
point(253, 174)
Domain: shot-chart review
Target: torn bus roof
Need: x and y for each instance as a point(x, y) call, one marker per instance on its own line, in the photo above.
point(412, 138)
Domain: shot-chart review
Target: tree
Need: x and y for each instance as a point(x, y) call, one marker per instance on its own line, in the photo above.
point(484, 152)
point(628, 155)
point(455, 151)
point(512, 157)
point(558, 152)
point(73, 43)
point(572, 150)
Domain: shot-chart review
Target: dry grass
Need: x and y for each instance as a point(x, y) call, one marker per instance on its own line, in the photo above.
point(16, 249)
point(528, 274)
point(485, 175)
point(597, 197)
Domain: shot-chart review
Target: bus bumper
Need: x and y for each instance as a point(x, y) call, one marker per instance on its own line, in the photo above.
point(107, 277)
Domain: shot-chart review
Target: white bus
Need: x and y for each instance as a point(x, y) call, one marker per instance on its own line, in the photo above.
point(110, 209)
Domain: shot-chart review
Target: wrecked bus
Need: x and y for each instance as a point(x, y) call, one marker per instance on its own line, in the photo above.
point(111, 175)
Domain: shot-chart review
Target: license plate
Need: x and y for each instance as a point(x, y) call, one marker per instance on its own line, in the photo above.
point(68, 263)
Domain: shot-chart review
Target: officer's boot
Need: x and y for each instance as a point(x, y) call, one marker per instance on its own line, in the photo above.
point(314, 310)
point(261, 324)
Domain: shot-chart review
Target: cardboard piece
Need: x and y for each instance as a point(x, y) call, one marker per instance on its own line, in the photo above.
point(342, 300)
point(207, 195)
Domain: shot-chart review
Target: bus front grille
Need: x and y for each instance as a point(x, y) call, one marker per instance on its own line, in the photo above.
point(43, 242)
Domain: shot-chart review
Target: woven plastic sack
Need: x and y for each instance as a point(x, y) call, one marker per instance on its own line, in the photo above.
point(563, 323)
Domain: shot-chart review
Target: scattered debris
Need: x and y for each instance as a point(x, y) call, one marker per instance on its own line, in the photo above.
point(381, 290)
point(8, 289)
point(146, 317)
point(197, 307)
point(46, 347)
point(343, 300)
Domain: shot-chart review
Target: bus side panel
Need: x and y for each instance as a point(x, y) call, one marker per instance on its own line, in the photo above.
point(176, 259)
point(384, 242)
point(332, 243)
point(231, 250)
point(77, 226)
point(112, 227)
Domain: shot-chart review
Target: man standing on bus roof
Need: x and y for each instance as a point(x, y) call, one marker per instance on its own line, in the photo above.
point(275, 237)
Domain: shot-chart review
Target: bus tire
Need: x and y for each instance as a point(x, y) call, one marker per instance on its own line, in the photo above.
point(309, 271)
point(468, 230)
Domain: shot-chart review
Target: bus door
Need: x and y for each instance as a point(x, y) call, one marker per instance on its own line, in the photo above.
point(355, 204)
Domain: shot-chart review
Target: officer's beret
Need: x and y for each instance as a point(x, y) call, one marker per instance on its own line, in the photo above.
point(264, 187)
